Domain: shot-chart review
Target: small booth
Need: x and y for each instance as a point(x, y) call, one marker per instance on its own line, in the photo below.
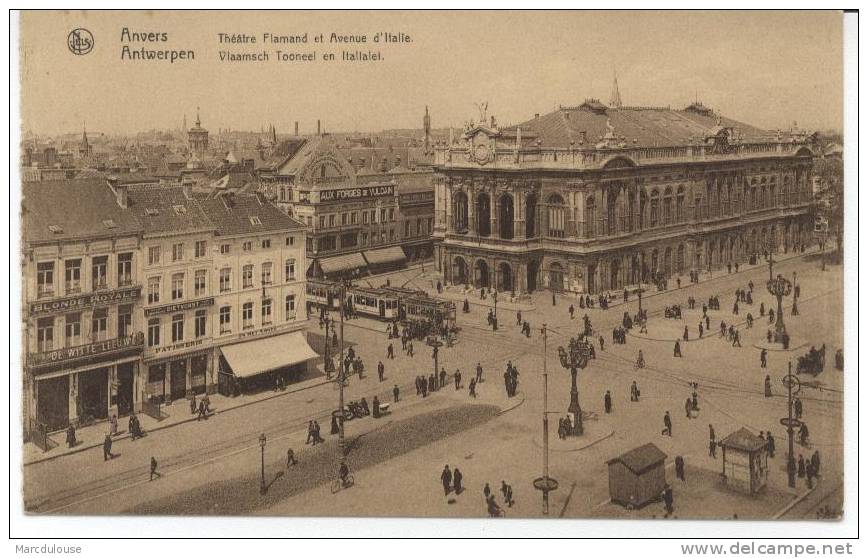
point(638, 476)
point(386, 259)
point(745, 461)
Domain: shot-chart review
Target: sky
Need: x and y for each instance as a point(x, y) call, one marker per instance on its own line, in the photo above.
point(768, 69)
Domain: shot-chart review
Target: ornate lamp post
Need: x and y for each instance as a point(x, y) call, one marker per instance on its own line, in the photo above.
point(494, 296)
point(262, 441)
point(574, 358)
point(779, 287)
point(327, 356)
point(435, 345)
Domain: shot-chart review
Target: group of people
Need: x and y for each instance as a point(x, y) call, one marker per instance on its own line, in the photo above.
point(313, 433)
point(494, 510)
point(202, 410)
point(809, 469)
point(672, 312)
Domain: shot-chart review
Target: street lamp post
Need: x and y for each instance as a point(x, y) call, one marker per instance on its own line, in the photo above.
point(494, 296)
point(793, 387)
point(795, 311)
point(342, 376)
point(779, 287)
point(435, 345)
point(262, 441)
point(640, 298)
point(545, 484)
point(573, 359)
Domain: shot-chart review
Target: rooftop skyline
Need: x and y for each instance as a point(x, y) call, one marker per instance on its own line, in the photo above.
point(766, 69)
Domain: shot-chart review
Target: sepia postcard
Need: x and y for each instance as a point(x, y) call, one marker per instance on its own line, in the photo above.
point(431, 264)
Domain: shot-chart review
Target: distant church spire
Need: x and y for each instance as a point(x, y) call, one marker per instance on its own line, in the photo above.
point(615, 100)
point(426, 125)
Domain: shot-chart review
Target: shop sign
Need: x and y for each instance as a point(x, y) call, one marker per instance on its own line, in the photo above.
point(416, 197)
point(85, 301)
point(357, 193)
point(179, 346)
point(258, 332)
point(91, 352)
point(179, 307)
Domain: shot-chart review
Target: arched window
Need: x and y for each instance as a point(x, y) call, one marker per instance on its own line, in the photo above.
point(483, 214)
point(590, 216)
point(679, 205)
point(506, 217)
point(655, 207)
point(459, 210)
point(556, 216)
point(667, 206)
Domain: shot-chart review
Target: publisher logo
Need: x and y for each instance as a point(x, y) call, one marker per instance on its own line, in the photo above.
point(80, 41)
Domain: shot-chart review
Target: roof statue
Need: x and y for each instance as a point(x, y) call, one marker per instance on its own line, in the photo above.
point(615, 99)
point(482, 107)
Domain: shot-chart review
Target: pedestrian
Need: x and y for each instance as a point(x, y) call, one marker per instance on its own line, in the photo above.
point(154, 472)
point(809, 475)
point(736, 339)
point(457, 377)
point(668, 499)
point(815, 462)
point(390, 351)
point(771, 443)
point(677, 351)
point(667, 425)
point(602, 343)
point(486, 491)
point(335, 427)
point(396, 392)
point(309, 432)
point(472, 387)
point(410, 348)
point(768, 386)
point(688, 407)
point(801, 467)
point(457, 477)
point(607, 402)
point(712, 448)
point(634, 392)
point(679, 468)
point(711, 434)
point(735, 308)
point(478, 373)
point(381, 370)
point(290, 458)
point(700, 330)
point(202, 414)
point(763, 358)
point(708, 323)
point(797, 407)
point(446, 479)
point(442, 377)
point(376, 407)
point(686, 334)
point(107, 448)
point(572, 311)
point(317, 438)
point(70, 436)
point(518, 318)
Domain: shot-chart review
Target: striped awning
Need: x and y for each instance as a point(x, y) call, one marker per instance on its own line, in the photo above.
point(385, 255)
point(342, 263)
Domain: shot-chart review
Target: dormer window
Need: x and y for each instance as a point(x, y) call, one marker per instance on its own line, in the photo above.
point(255, 220)
point(179, 209)
point(56, 229)
point(109, 223)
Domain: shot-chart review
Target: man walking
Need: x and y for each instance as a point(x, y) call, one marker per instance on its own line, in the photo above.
point(107, 448)
point(771, 443)
point(390, 351)
point(677, 350)
point(679, 468)
point(634, 392)
point(457, 477)
point(381, 370)
point(457, 377)
point(396, 391)
point(154, 472)
point(667, 425)
point(446, 478)
point(290, 458)
point(712, 442)
point(607, 402)
point(763, 358)
point(478, 372)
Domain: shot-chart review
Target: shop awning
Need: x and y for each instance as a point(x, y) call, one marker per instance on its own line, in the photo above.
point(391, 254)
point(342, 263)
point(264, 355)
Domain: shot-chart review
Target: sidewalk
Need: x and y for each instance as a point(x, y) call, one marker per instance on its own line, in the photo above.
point(90, 437)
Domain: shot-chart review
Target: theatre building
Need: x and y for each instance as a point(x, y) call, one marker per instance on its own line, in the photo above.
point(258, 313)
point(359, 222)
point(177, 280)
point(82, 298)
point(593, 197)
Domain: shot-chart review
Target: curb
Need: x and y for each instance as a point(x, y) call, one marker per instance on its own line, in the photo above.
point(791, 505)
point(164, 427)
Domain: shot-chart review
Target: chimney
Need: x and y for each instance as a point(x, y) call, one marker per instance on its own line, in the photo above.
point(318, 127)
point(536, 116)
point(296, 128)
point(121, 193)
